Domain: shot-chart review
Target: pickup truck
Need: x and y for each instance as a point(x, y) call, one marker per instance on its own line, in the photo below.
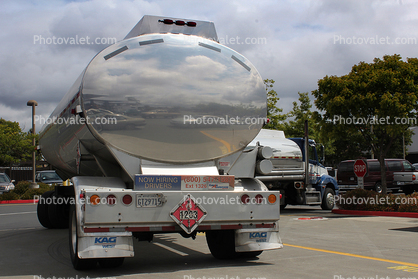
point(407, 181)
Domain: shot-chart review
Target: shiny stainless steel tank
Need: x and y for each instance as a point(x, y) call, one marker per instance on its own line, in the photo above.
point(165, 97)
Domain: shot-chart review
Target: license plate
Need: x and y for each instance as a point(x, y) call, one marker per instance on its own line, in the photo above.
point(149, 200)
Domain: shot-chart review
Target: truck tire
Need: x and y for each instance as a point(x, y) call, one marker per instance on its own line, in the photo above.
point(222, 244)
point(78, 264)
point(111, 262)
point(408, 190)
point(42, 210)
point(328, 200)
point(378, 187)
point(58, 212)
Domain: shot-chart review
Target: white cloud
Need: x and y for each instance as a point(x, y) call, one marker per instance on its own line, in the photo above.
point(300, 41)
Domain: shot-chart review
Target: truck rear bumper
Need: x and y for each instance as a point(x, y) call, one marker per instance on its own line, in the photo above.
point(105, 228)
point(117, 245)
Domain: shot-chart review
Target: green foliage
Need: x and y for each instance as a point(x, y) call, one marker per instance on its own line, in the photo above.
point(273, 112)
point(31, 193)
point(360, 199)
point(411, 205)
point(300, 113)
point(23, 192)
point(15, 145)
point(373, 96)
point(9, 196)
point(21, 187)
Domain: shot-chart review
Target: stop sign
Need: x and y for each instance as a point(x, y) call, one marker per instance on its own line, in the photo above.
point(360, 168)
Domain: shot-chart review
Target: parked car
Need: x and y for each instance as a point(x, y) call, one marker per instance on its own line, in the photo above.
point(395, 168)
point(406, 178)
point(6, 184)
point(48, 177)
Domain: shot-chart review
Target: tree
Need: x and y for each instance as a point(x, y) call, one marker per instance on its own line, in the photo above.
point(376, 102)
point(273, 112)
point(15, 145)
point(300, 113)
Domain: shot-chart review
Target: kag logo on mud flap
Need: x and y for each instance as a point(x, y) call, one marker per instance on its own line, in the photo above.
point(258, 235)
point(105, 240)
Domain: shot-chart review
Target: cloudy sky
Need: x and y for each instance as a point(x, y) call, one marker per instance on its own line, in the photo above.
point(294, 43)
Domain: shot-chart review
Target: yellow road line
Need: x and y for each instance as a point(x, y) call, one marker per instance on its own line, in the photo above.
point(227, 145)
point(351, 255)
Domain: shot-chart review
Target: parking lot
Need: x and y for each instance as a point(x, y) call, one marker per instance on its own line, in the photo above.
point(317, 244)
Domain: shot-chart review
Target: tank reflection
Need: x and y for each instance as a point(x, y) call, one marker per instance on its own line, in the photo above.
point(155, 91)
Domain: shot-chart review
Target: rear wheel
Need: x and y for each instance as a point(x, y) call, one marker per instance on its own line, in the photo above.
point(408, 190)
point(58, 212)
point(378, 187)
point(283, 206)
point(222, 244)
point(42, 210)
point(328, 200)
point(78, 264)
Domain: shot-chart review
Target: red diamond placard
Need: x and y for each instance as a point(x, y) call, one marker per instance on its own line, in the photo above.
point(188, 214)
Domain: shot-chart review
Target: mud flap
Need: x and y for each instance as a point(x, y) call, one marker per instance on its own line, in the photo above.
point(247, 240)
point(105, 246)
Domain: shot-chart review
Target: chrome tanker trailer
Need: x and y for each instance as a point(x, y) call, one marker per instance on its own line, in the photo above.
point(141, 133)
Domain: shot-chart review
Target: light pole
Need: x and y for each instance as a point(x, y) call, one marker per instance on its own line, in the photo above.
point(33, 104)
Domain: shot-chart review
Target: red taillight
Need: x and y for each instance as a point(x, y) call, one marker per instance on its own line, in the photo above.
point(180, 22)
point(259, 199)
point(111, 200)
point(413, 177)
point(127, 199)
point(245, 199)
point(167, 21)
point(82, 196)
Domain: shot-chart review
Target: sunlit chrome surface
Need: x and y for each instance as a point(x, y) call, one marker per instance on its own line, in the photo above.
point(157, 84)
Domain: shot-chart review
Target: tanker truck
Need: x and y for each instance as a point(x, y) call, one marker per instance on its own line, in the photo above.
point(133, 176)
point(297, 171)
point(301, 181)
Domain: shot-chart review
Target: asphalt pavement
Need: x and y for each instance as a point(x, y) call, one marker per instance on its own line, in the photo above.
point(317, 244)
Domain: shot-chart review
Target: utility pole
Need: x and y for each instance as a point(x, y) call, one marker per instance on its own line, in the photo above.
point(33, 104)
